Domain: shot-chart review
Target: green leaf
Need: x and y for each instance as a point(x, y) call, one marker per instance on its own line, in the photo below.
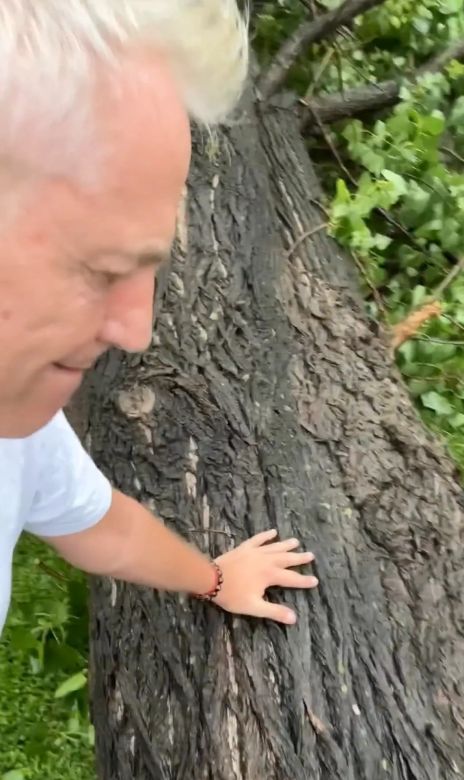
point(23, 639)
point(331, 4)
point(15, 774)
point(72, 684)
point(455, 69)
point(399, 124)
point(418, 386)
point(407, 351)
point(436, 402)
point(59, 656)
point(419, 294)
point(450, 6)
point(432, 352)
point(91, 735)
point(398, 182)
point(457, 420)
point(381, 241)
point(353, 132)
point(422, 26)
point(434, 124)
point(371, 160)
point(457, 112)
point(342, 201)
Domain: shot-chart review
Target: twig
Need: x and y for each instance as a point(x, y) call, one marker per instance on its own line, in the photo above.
point(305, 35)
point(440, 289)
point(332, 147)
point(317, 76)
point(303, 237)
point(309, 5)
point(319, 205)
point(438, 341)
point(51, 572)
point(370, 283)
point(453, 321)
point(452, 153)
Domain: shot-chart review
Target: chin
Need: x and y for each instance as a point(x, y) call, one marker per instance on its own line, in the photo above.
point(22, 418)
point(22, 426)
point(23, 421)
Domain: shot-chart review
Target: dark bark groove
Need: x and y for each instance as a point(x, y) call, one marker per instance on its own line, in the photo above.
point(276, 404)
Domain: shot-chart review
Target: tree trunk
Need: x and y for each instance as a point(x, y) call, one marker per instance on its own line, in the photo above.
point(276, 404)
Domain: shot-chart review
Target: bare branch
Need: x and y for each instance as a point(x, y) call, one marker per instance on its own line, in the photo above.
point(305, 35)
point(332, 108)
point(373, 97)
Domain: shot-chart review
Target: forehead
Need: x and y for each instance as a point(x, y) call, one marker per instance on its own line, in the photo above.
point(145, 132)
point(143, 119)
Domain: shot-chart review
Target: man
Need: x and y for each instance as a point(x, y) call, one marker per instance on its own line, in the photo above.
point(94, 153)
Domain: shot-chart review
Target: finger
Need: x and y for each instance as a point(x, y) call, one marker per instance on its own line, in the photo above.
point(259, 539)
point(285, 560)
point(293, 579)
point(278, 612)
point(284, 546)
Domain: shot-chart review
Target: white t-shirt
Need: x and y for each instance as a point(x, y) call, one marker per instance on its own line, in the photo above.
point(49, 486)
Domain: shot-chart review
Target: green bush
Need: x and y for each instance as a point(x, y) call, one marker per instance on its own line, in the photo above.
point(44, 726)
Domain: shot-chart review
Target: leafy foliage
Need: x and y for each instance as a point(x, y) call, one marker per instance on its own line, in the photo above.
point(398, 203)
point(44, 715)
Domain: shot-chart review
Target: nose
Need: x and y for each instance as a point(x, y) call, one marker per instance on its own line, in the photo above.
point(129, 313)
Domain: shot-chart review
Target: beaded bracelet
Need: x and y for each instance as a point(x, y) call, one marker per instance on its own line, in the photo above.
point(216, 587)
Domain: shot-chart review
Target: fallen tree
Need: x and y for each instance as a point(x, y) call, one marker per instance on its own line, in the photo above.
point(268, 399)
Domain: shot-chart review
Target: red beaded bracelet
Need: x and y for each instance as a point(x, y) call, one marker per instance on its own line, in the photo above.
point(219, 579)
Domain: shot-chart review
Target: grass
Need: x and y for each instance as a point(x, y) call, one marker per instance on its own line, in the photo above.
point(44, 645)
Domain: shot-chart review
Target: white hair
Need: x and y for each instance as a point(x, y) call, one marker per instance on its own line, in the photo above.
point(48, 55)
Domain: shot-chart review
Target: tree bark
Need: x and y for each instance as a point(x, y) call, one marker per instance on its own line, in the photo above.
point(276, 404)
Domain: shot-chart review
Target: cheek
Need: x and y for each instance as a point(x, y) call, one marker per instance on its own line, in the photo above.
point(69, 316)
point(5, 315)
point(84, 308)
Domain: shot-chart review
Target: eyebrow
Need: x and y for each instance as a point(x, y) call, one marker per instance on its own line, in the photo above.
point(144, 258)
point(149, 257)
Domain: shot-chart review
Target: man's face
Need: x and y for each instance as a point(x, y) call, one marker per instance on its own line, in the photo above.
point(77, 269)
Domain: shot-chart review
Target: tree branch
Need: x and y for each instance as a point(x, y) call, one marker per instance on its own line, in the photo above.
point(305, 35)
point(373, 97)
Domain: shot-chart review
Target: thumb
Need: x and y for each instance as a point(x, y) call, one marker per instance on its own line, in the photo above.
point(278, 612)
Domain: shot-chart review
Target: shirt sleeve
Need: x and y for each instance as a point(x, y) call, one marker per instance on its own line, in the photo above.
point(72, 493)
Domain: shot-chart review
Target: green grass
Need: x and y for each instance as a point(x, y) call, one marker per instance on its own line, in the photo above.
point(43, 645)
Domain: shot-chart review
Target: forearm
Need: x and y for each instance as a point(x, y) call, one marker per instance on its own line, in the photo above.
point(129, 543)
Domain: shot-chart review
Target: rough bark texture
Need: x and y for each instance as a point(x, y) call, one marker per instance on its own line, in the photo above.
point(276, 404)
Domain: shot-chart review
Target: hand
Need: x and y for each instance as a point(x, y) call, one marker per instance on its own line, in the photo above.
point(254, 566)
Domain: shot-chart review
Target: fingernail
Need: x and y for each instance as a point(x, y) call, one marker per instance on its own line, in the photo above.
point(291, 618)
point(314, 582)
